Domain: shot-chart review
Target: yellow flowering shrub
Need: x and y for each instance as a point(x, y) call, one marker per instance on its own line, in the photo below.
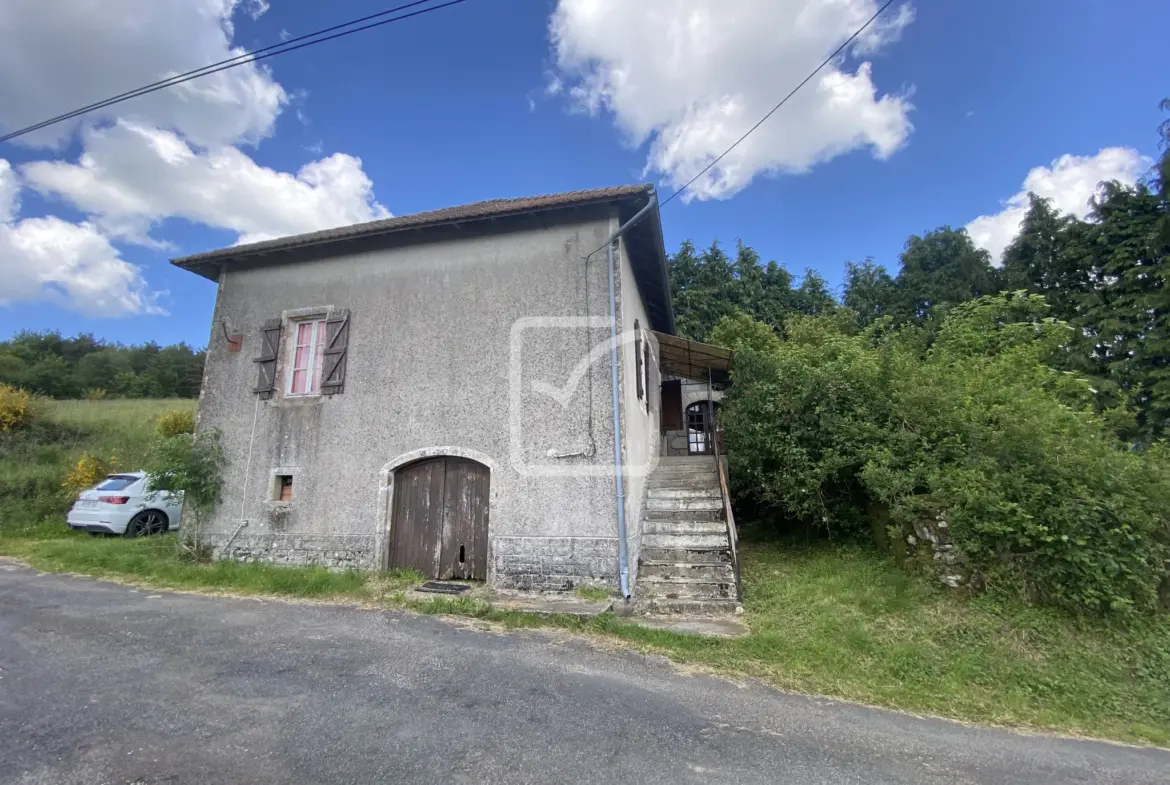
point(86, 473)
point(16, 408)
point(175, 422)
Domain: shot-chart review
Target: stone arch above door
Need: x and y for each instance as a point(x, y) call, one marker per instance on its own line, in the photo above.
point(694, 396)
point(386, 488)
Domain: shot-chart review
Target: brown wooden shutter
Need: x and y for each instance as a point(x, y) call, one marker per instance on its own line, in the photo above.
point(266, 362)
point(638, 358)
point(672, 414)
point(336, 349)
point(646, 364)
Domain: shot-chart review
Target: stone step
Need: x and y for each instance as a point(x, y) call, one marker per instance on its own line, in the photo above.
point(683, 515)
point(717, 571)
point(684, 485)
point(688, 607)
point(701, 503)
point(715, 555)
point(692, 470)
point(672, 464)
point(706, 492)
point(685, 541)
point(684, 527)
point(674, 476)
point(686, 460)
point(685, 588)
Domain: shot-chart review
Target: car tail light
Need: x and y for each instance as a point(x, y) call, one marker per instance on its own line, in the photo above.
point(114, 499)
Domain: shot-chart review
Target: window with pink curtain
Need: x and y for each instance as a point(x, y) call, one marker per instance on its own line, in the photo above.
point(307, 358)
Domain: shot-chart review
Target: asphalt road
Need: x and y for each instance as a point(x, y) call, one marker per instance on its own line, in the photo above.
point(100, 683)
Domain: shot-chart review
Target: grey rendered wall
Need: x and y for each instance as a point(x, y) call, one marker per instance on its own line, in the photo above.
point(640, 418)
point(446, 342)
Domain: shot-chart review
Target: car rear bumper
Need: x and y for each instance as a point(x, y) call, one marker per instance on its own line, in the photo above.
point(98, 521)
point(93, 528)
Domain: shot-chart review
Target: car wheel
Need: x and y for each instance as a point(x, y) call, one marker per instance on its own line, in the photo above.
point(146, 523)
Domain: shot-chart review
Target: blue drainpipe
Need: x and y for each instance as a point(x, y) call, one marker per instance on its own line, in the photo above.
point(619, 478)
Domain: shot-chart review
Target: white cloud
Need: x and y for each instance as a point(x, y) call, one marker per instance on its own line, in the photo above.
point(71, 265)
point(256, 8)
point(1070, 182)
point(9, 191)
point(173, 154)
point(132, 177)
point(691, 76)
point(85, 51)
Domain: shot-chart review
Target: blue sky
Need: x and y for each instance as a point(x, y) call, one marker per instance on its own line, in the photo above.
point(456, 106)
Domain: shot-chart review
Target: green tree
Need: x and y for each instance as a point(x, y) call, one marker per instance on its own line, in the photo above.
point(61, 367)
point(12, 370)
point(100, 369)
point(1162, 178)
point(708, 286)
point(700, 289)
point(193, 464)
point(1049, 257)
point(813, 297)
point(869, 290)
point(939, 268)
point(51, 375)
point(1127, 314)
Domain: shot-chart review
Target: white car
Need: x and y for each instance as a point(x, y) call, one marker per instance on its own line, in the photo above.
point(121, 504)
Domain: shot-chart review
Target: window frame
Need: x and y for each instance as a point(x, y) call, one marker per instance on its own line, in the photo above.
point(278, 487)
point(317, 339)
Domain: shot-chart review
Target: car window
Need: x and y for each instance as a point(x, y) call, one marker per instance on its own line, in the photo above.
point(117, 482)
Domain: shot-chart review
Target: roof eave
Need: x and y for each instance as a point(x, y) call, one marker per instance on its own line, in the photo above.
point(216, 258)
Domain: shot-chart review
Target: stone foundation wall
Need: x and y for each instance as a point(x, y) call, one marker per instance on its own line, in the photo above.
point(929, 548)
point(554, 563)
point(339, 551)
point(530, 563)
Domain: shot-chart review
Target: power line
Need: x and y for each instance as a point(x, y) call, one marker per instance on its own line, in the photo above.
point(236, 60)
point(783, 101)
point(263, 53)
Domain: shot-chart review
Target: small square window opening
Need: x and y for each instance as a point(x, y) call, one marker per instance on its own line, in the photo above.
point(284, 487)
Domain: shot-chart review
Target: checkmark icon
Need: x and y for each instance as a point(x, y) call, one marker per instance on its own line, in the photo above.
point(564, 394)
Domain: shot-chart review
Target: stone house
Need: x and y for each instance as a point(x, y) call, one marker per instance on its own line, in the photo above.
point(475, 392)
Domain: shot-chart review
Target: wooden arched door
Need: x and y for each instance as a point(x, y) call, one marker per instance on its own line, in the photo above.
point(440, 520)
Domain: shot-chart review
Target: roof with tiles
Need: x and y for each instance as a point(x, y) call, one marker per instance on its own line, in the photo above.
point(645, 242)
point(493, 208)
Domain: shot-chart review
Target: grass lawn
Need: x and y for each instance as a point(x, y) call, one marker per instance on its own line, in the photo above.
point(34, 462)
point(829, 621)
point(834, 621)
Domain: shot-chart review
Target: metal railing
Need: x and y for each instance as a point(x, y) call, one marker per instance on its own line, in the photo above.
point(715, 443)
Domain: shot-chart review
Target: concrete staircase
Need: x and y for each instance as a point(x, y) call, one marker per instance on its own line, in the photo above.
point(685, 562)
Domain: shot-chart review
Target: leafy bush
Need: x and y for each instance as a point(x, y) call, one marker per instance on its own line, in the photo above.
point(16, 408)
point(194, 465)
point(86, 473)
point(175, 422)
point(833, 429)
